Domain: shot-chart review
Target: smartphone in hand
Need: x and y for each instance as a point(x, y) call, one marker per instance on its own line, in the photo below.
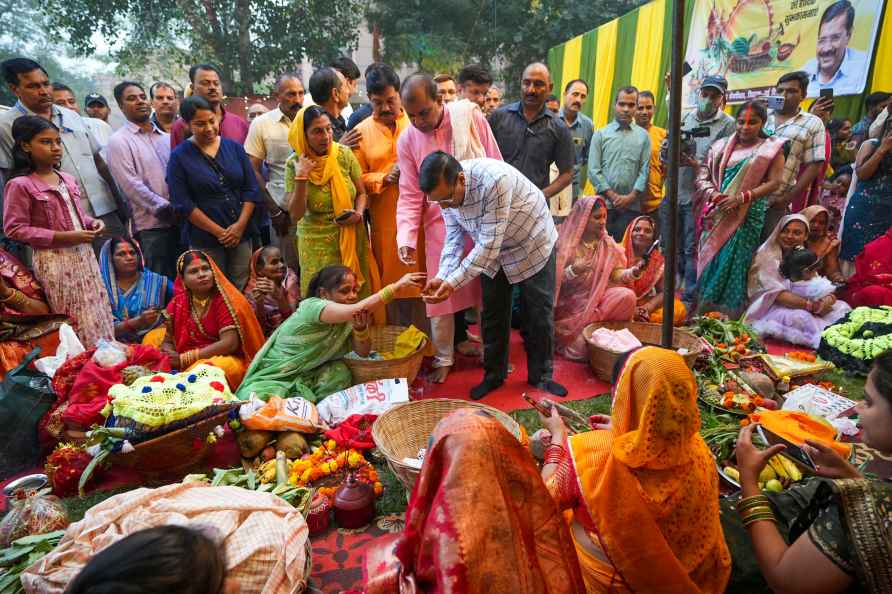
point(344, 216)
point(792, 451)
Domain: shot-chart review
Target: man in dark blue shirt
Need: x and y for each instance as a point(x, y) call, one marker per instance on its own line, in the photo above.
point(531, 137)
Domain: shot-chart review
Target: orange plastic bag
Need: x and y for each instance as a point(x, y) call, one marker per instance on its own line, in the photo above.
point(281, 414)
point(796, 427)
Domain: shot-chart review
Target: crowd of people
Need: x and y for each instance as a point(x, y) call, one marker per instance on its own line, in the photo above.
point(268, 248)
point(520, 215)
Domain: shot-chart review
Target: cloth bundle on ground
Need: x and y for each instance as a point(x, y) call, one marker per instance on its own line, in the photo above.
point(354, 432)
point(82, 387)
point(264, 537)
point(152, 404)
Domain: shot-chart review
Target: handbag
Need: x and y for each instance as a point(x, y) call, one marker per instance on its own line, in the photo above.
point(25, 396)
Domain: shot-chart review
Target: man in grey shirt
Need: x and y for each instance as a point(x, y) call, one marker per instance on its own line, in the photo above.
point(709, 116)
point(80, 149)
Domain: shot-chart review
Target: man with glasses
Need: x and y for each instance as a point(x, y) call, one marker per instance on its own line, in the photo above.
point(507, 218)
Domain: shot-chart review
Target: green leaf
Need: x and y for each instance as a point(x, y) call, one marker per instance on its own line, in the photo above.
point(38, 538)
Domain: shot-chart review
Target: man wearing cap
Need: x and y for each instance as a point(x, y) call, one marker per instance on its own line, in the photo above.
point(63, 96)
point(97, 110)
point(708, 114)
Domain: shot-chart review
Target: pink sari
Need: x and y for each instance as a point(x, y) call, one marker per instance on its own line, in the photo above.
point(723, 226)
point(587, 298)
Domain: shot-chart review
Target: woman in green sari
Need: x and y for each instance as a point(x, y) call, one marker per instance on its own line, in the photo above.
point(303, 357)
point(326, 196)
point(733, 186)
point(839, 527)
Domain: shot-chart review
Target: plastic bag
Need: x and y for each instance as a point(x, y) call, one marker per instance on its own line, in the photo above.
point(619, 341)
point(281, 414)
point(33, 512)
point(374, 398)
point(109, 353)
point(69, 346)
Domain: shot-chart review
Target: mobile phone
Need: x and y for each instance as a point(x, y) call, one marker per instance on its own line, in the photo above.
point(543, 406)
point(828, 93)
point(775, 102)
point(344, 216)
point(792, 451)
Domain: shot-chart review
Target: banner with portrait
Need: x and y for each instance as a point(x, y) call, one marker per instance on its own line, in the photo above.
point(752, 43)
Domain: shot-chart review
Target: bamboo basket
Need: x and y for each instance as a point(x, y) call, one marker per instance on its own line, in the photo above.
point(383, 338)
point(602, 360)
point(406, 428)
point(174, 453)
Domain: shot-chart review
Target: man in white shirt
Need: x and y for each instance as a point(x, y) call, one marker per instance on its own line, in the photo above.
point(63, 96)
point(508, 219)
point(267, 143)
point(837, 66)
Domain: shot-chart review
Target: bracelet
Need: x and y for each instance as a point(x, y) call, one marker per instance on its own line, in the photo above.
point(299, 178)
point(361, 334)
point(554, 453)
point(387, 294)
point(746, 196)
point(759, 517)
point(749, 502)
point(759, 510)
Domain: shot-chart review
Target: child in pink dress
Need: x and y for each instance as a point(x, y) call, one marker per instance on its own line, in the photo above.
point(798, 326)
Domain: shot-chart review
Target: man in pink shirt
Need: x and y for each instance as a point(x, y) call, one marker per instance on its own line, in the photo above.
point(206, 83)
point(461, 130)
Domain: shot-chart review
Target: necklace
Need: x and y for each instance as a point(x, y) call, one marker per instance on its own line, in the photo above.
point(200, 303)
point(590, 245)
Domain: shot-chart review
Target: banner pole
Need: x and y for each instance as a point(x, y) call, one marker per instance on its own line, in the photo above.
point(671, 234)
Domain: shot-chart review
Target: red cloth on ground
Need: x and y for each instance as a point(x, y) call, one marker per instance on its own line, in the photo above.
point(354, 432)
point(83, 384)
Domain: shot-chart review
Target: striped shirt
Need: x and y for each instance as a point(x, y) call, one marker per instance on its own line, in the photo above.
point(508, 219)
point(805, 136)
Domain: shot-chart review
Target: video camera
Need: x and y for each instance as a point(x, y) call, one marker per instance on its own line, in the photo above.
point(688, 144)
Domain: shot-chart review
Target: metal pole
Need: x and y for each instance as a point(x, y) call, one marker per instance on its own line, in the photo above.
point(671, 234)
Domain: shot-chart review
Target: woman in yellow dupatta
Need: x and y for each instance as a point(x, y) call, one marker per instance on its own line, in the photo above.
point(208, 321)
point(643, 488)
point(325, 193)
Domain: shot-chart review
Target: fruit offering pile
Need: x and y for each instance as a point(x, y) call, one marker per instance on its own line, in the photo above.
point(729, 339)
point(778, 474)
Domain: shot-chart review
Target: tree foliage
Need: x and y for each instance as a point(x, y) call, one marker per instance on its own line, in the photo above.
point(504, 35)
point(23, 33)
point(248, 40)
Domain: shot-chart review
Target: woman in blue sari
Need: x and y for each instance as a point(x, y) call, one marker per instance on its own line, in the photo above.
point(733, 186)
point(137, 295)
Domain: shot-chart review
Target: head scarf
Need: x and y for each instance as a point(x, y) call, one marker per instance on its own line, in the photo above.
point(148, 292)
point(654, 271)
point(650, 483)
point(289, 283)
point(765, 282)
point(606, 258)
point(480, 520)
point(828, 242)
point(249, 330)
point(328, 172)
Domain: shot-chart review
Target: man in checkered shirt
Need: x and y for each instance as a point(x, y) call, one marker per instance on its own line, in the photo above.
point(514, 236)
point(806, 143)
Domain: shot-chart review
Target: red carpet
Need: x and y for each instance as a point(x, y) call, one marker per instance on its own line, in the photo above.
point(578, 378)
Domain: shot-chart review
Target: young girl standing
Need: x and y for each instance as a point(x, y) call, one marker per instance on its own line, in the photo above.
point(41, 208)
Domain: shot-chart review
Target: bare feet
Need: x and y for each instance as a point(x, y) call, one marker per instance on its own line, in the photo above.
point(438, 375)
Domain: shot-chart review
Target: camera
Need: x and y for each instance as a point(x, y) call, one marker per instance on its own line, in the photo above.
point(688, 143)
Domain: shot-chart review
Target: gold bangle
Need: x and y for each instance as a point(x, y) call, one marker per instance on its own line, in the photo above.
point(759, 518)
point(753, 511)
point(361, 334)
point(751, 501)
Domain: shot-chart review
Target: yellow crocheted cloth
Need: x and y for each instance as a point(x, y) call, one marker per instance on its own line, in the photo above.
point(160, 399)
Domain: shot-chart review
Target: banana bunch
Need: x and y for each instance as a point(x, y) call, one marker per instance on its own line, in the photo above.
point(778, 474)
point(267, 471)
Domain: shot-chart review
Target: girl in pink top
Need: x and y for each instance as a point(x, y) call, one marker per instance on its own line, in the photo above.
point(41, 208)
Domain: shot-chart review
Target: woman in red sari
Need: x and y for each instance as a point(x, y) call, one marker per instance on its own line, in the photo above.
point(871, 285)
point(208, 321)
point(637, 242)
point(25, 318)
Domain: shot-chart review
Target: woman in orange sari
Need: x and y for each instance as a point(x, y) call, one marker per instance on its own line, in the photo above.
point(638, 242)
point(208, 321)
point(643, 488)
point(480, 520)
point(25, 318)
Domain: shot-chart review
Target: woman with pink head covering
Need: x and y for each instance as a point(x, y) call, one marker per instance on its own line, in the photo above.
point(591, 277)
